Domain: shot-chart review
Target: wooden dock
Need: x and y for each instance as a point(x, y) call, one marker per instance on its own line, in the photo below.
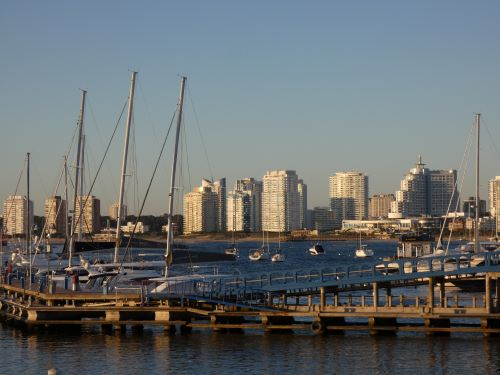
point(316, 311)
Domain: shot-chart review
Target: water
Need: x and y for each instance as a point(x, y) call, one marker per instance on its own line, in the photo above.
point(92, 351)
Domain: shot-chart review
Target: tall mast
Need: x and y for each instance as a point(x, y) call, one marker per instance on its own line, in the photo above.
point(478, 206)
point(83, 199)
point(77, 174)
point(66, 206)
point(168, 253)
point(124, 165)
point(28, 223)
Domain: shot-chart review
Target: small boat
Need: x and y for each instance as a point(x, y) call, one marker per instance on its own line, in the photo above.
point(316, 249)
point(363, 252)
point(278, 257)
point(232, 250)
point(258, 254)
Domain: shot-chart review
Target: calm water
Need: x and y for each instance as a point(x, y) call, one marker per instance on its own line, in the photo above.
point(90, 351)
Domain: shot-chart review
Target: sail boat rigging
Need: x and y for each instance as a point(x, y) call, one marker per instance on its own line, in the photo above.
point(168, 250)
point(124, 166)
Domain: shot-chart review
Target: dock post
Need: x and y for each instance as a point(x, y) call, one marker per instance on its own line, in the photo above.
point(487, 293)
point(430, 296)
point(375, 295)
point(442, 294)
point(322, 298)
point(497, 294)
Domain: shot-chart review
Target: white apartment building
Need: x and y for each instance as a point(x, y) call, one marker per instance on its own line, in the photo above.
point(280, 201)
point(88, 221)
point(302, 190)
point(55, 212)
point(200, 210)
point(16, 215)
point(238, 211)
point(494, 200)
point(348, 196)
point(425, 192)
point(219, 188)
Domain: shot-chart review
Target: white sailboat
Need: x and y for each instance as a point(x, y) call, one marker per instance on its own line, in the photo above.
point(260, 253)
point(278, 256)
point(363, 251)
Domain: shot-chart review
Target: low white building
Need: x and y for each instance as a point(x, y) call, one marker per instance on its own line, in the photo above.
point(140, 228)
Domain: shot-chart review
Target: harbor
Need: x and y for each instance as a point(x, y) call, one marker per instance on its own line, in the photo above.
point(340, 295)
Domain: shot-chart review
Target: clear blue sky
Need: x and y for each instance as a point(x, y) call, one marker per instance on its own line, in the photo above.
point(318, 87)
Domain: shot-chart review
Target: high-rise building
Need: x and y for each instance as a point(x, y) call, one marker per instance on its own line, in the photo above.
point(113, 211)
point(244, 206)
point(494, 200)
point(218, 187)
point(348, 196)
point(238, 211)
point(200, 211)
point(17, 215)
point(280, 201)
point(322, 219)
point(55, 215)
point(424, 192)
point(302, 190)
point(87, 214)
point(379, 205)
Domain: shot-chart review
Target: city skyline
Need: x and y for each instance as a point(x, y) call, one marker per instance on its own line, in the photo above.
point(336, 87)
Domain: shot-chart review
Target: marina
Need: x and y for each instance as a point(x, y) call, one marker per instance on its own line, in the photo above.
point(350, 296)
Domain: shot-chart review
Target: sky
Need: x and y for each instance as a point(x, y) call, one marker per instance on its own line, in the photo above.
point(317, 87)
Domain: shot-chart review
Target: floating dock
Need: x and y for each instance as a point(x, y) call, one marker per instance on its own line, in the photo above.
point(374, 297)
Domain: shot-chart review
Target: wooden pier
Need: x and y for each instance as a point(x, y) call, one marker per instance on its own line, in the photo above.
point(371, 307)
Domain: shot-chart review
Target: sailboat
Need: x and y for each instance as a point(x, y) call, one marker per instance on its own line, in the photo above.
point(260, 253)
point(278, 256)
point(363, 251)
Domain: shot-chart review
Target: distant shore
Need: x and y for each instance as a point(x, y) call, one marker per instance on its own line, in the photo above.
point(273, 237)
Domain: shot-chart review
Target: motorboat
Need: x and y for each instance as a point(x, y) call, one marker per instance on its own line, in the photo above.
point(316, 249)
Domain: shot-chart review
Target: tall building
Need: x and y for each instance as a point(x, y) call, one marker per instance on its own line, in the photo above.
point(424, 192)
point(280, 201)
point(494, 200)
point(218, 187)
point(87, 214)
point(348, 196)
point(244, 206)
point(113, 211)
point(55, 212)
point(302, 190)
point(200, 211)
point(17, 215)
point(379, 205)
point(322, 219)
point(238, 211)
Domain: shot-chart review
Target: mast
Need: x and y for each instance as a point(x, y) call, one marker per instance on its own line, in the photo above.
point(66, 206)
point(77, 173)
point(478, 206)
point(168, 253)
point(28, 224)
point(83, 199)
point(124, 165)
